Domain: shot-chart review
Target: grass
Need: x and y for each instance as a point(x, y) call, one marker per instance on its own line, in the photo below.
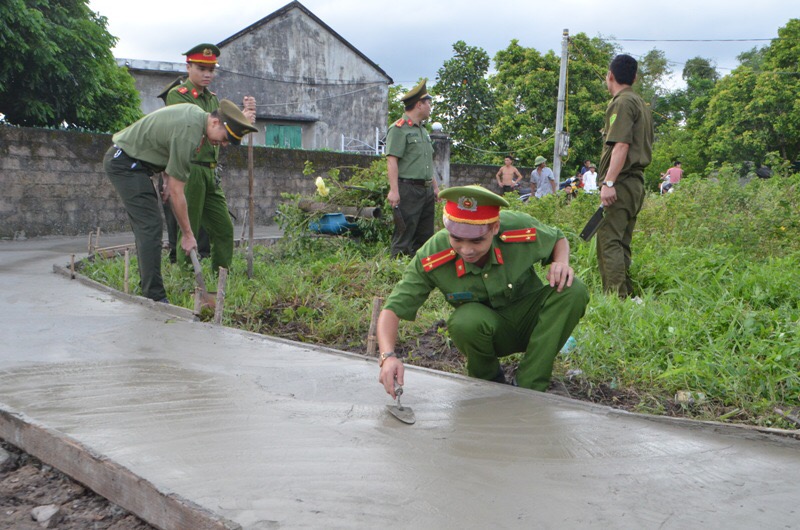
point(716, 264)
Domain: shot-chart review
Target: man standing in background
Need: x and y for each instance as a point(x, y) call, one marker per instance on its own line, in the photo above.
point(543, 181)
point(205, 199)
point(627, 151)
point(409, 164)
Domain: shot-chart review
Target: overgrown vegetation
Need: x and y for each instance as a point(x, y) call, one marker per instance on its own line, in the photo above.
point(715, 264)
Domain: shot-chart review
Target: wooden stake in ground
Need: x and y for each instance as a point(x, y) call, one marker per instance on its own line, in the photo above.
point(125, 288)
point(249, 105)
point(221, 283)
point(72, 267)
point(372, 339)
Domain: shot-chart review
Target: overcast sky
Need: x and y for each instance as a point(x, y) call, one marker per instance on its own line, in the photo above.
point(412, 42)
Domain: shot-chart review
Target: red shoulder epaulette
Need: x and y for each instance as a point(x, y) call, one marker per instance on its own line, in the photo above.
point(523, 235)
point(438, 259)
point(401, 122)
point(183, 90)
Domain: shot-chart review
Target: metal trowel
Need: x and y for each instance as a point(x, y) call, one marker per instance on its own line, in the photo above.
point(404, 414)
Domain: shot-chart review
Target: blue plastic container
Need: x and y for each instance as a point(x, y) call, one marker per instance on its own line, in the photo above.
point(332, 223)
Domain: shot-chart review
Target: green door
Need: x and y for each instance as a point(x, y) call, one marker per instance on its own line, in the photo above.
point(286, 136)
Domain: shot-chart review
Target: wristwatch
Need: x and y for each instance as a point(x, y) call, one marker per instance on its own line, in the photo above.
point(609, 183)
point(386, 355)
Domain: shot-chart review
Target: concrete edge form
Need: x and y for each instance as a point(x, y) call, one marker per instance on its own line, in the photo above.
point(105, 477)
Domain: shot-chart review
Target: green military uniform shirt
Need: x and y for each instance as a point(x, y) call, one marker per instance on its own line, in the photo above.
point(507, 276)
point(166, 139)
point(206, 100)
point(412, 145)
point(628, 121)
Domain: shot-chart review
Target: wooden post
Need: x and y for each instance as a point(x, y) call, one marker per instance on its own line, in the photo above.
point(72, 267)
point(125, 288)
point(372, 339)
point(221, 283)
point(89, 246)
point(251, 207)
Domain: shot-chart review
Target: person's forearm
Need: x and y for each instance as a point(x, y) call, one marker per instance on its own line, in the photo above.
point(618, 156)
point(177, 201)
point(561, 251)
point(388, 323)
point(392, 172)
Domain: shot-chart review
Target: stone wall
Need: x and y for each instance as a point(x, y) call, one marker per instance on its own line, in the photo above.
point(53, 181)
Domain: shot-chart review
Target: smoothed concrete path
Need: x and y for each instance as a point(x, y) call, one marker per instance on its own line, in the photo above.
point(267, 433)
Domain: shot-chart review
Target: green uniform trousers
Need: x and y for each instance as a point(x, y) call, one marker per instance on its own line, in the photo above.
point(615, 234)
point(538, 325)
point(207, 207)
point(417, 206)
point(133, 184)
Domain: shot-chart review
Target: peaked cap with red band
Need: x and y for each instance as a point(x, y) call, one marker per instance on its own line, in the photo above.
point(470, 209)
point(203, 54)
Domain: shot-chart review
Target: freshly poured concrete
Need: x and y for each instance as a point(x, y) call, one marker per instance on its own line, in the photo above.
point(273, 434)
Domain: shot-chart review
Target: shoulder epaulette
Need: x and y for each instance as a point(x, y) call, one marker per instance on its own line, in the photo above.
point(401, 122)
point(195, 93)
point(438, 259)
point(183, 90)
point(523, 235)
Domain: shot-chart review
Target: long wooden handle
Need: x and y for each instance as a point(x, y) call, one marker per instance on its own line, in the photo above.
point(198, 271)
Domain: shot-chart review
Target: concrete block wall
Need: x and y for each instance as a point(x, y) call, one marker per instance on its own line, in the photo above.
point(53, 181)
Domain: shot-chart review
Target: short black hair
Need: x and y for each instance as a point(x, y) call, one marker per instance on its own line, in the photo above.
point(677, 162)
point(509, 156)
point(624, 68)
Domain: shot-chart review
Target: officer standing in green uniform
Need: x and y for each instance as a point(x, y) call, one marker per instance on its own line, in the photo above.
point(483, 263)
point(165, 140)
point(627, 151)
point(409, 161)
point(204, 196)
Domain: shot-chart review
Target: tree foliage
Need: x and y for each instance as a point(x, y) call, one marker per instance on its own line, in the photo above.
point(756, 109)
point(58, 69)
point(465, 103)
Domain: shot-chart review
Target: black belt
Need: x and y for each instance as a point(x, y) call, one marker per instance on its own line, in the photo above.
point(415, 182)
point(210, 165)
point(151, 170)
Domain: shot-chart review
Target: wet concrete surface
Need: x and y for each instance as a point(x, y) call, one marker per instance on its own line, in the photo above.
point(274, 434)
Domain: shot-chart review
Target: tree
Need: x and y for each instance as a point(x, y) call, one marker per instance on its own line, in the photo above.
point(527, 91)
point(754, 110)
point(653, 72)
point(396, 109)
point(57, 68)
point(465, 103)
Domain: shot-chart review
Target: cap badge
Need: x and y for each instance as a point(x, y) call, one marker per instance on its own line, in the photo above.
point(467, 203)
point(207, 52)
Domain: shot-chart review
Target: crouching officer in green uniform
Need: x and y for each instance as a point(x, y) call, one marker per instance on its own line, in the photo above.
point(165, 140)
point(208, 209)
point(483, 263)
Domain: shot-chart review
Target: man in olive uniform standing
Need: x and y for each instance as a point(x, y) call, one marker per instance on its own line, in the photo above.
point(627, 151)
point(409, 161)
point(165, 140)
point(482, 262)
point(205, 199)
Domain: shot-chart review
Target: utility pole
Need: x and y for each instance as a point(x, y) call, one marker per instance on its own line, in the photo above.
point(562, 137)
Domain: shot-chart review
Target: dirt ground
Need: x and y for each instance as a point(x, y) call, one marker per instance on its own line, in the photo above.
point(27, 483)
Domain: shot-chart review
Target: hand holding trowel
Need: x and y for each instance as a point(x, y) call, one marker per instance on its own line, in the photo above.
point(402, 413)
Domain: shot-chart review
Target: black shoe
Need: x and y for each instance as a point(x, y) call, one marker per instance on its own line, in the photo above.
point(164, 300)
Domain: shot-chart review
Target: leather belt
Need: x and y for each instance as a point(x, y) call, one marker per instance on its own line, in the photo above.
point(210, 165)
point(415, 182)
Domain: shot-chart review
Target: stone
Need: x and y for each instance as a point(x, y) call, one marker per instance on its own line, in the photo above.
point(48, 516)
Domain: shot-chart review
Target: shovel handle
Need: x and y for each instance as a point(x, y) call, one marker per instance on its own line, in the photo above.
point(198, 270)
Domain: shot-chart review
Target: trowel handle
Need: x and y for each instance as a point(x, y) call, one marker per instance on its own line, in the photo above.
point(398, 391)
